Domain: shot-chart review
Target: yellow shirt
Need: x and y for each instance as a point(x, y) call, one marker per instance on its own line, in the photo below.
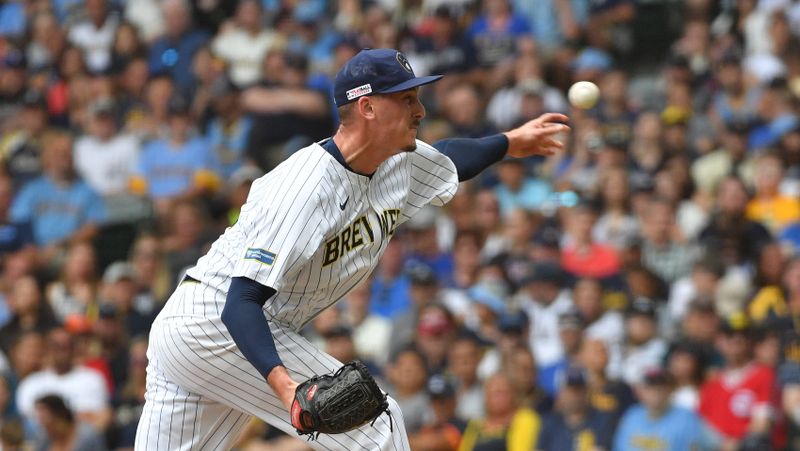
point(768, 299)
point(775, 213)
point(521, 435)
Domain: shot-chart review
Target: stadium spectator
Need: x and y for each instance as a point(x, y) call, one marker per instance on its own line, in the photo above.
point(443, 430)
point(129, 401)
point(288, 112)
point(172, 53)
point(506, 424)
point(408, 375)
point(575, 424)
point(583, 256)
point(105, 158)
point(95, 34)
point(29, 313)
point(372, 335)
point(609, 395)
point(463, 357)
point(244, 43)
point(643, 349)
point(739, 403)
point(686, 367)
point(769, 206)
point(21, 148)
point(83, 388)
point(422, 291)
point(229, 131)
point(61, 208)
point(118, 291)
point(74, 294)
point(62, 430)
point(662, 249)
point(544, 299)
point(179, 166)
point(654, 423)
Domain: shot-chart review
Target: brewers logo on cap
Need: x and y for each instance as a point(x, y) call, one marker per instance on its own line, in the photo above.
point(404, 62)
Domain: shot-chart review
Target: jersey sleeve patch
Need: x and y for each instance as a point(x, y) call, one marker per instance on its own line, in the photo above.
point(262, 256)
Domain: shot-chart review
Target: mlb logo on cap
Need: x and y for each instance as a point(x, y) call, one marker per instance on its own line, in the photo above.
point(376, 71)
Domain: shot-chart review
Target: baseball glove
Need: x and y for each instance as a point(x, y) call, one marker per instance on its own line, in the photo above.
point(339, 402)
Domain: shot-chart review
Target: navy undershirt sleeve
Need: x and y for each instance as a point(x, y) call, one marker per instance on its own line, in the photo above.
point(244, 318)
point(472, 156)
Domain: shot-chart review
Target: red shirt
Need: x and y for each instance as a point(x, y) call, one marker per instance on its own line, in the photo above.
point(601, 261)
point(729, 399)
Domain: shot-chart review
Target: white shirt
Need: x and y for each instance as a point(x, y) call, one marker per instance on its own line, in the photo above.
point(244, 53)
point(544, 337)
point(146, 15)
point(107, 166)
point(639, 359)
point(95, 42)
point(371, 339)
point(610, 328)
point(83, 390)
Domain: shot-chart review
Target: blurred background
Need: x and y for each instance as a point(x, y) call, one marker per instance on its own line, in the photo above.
point(638, 289)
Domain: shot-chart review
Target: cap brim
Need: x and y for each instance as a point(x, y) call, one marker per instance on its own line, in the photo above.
point(413, 83)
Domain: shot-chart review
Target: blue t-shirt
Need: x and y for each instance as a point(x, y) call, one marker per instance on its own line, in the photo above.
point(530, 197)
point(174, 58)
point(54, 211)
point(15, 236)
point(170, 171)
point(12, 19)
point(596, 430)
point(228, 148)
point(389, 298)
point(494, 46)
point(791, 236)
point(677, 430)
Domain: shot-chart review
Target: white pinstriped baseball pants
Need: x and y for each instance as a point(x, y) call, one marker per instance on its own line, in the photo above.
point(201, 391)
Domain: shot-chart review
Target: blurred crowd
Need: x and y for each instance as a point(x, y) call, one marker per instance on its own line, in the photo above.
point(638, 291)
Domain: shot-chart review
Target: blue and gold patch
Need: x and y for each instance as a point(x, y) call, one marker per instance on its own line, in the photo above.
point(262, 256)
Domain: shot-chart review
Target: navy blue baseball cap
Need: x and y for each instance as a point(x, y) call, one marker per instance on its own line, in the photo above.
point(376, 71)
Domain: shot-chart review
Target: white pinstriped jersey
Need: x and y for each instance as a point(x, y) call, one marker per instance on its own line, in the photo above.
point(313, 230)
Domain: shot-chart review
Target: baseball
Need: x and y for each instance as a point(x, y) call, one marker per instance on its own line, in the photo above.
point(583, 94)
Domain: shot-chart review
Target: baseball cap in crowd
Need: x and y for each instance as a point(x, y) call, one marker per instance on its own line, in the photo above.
point(486, 295)
point(545, 272)
point(592, 59)
point(246, 173)
point(108, 311)
point(642, 306)
point(34, 98)
point(421, 274)
point(571, 319)
point(574, 376)
point(118, 271)
point(178, 106)
point(338, 331)
point(515, 322)
point(433, 322)
point(547, 235)
point(102, 107)
point(657, 376)
point(376, 71)
point(441, 387)
point(14, 59)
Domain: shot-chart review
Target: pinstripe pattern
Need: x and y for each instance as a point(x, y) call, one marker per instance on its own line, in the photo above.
point(200, 388)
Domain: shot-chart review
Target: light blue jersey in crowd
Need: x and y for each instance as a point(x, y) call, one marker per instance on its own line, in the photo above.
point(677, 430)
point(169, 171)
point(56, 212)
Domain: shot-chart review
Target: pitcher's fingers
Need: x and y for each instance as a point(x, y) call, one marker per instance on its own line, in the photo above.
point(552, 117)
point(552, 129)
